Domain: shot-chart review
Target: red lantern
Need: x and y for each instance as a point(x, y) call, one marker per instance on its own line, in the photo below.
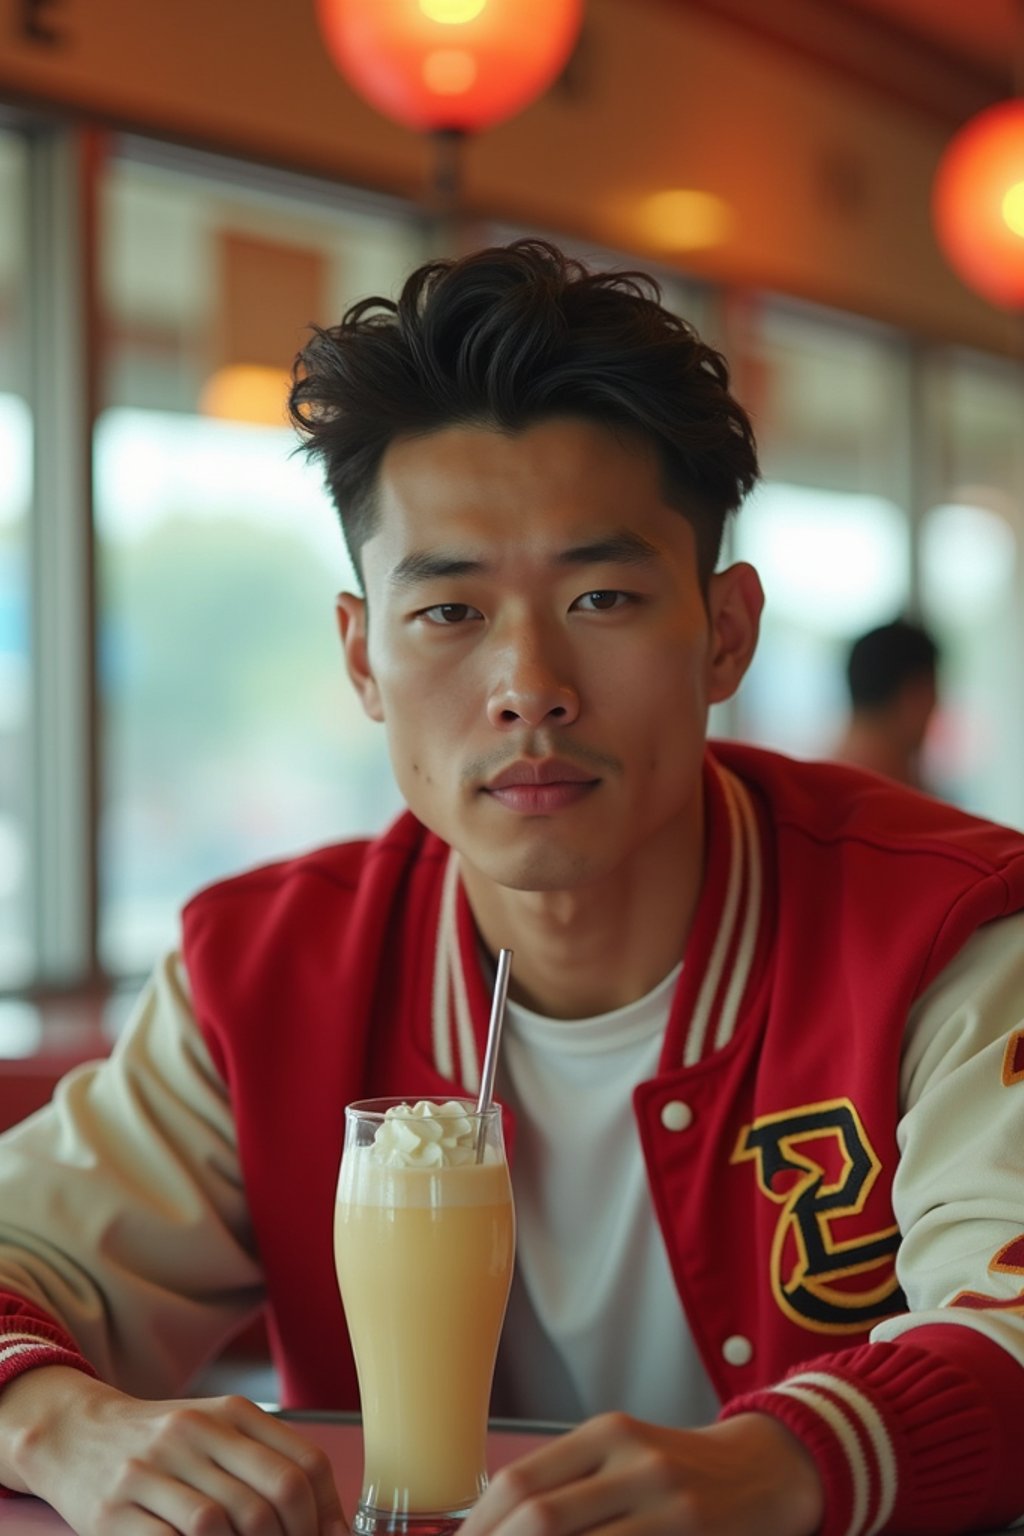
point(450, 65)
point(978, 204)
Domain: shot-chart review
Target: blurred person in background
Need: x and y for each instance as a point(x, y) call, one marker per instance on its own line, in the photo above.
point(892, 680)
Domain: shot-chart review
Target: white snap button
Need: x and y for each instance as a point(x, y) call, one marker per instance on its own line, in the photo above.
point(676, 1116)
point(737, 1350)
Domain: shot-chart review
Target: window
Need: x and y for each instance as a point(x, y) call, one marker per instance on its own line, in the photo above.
point(833, 564)
point(226, 731)
point(231, 734)
point(829, 527)
point(972, 566)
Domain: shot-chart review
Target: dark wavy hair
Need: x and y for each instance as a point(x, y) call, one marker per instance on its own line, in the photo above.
point(509, 336)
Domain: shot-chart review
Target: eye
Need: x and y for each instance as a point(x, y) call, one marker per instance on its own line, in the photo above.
point(449, 613)
point(605, 600)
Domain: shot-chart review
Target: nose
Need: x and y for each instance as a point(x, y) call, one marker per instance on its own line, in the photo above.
point(531, 685)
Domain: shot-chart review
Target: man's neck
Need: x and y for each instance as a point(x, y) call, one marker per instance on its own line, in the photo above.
point(584, 952)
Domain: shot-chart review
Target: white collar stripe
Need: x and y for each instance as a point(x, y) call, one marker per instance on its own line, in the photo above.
point(455, 1053)
point(748, 939)
point(701, 1015)
point(469, 1075)
point(444, 1059)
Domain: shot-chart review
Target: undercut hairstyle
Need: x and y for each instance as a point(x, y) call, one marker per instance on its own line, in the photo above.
point(507, 337)
point(883, 661)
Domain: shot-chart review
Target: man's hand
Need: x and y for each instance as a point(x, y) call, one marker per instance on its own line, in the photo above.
point(746, 1477)
point(115, 1465)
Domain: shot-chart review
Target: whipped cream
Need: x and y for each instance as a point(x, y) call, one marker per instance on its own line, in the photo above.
point(425, 1135)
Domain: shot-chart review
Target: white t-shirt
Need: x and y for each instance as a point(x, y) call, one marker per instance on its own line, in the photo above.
point(594, 1320)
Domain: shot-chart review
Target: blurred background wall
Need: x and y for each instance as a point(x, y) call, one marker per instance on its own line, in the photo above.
point(184, 188)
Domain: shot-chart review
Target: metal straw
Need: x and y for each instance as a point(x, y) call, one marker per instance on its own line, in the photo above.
point(490, 1066)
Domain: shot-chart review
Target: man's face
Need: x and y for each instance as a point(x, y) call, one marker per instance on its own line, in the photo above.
point(537, 644)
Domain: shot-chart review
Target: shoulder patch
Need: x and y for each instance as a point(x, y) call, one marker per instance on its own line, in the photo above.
point(1008, 1261)
point(1013, 1059)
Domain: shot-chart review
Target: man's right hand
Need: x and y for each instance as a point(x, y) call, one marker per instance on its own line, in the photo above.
point(114, 1465)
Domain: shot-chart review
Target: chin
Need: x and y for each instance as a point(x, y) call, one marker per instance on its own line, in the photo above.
point(543, 868)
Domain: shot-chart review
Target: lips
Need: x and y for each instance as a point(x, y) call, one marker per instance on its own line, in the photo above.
point(548, 770)
point(541, 788)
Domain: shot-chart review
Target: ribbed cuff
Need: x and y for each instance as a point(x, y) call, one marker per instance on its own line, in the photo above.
point(903, 1439)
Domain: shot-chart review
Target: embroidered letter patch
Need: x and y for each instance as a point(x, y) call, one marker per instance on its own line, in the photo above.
point(817, 1163)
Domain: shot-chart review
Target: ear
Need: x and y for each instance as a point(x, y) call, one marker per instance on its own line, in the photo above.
point(352, 617)
point(735, 601)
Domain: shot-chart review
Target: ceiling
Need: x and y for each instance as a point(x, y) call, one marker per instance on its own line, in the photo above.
point(984, 34)
point(948, 58)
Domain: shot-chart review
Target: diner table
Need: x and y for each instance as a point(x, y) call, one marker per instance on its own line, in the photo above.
point(339, 1434)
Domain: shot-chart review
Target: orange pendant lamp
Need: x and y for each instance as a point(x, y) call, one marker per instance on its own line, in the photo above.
point(450, 66)
point(978, 204)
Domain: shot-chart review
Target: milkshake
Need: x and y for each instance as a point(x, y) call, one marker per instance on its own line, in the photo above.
point(424, 1236)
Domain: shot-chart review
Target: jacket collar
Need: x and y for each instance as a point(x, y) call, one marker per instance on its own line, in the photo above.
point(721, 960)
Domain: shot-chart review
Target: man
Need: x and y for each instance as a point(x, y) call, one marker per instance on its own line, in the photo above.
point(891, 676)
point(766, 1027)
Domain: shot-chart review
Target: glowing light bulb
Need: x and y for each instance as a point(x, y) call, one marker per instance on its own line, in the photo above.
point(686, 219)
point(455, 65)
point(452, 12)
point(1013, 208)
point(978, 204)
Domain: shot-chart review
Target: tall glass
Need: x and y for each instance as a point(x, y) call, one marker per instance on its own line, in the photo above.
point(424, 1236)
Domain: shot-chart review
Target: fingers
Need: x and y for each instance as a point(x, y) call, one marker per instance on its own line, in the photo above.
point(226, 1468)
point(590, 1504)
point(620, 1477)
point(115, 1465)
point(566, 1464)
point(613, 1475)
point(215, 1505)
point(298, 1481)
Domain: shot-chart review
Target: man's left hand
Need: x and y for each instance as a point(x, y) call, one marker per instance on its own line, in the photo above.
point(745, 1477)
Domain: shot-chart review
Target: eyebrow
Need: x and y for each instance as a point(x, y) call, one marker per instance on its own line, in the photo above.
point(624, 548)
point(421, 566)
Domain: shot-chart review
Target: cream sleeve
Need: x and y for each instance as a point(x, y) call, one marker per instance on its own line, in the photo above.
point(122, 1211)
point(958, 1193)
